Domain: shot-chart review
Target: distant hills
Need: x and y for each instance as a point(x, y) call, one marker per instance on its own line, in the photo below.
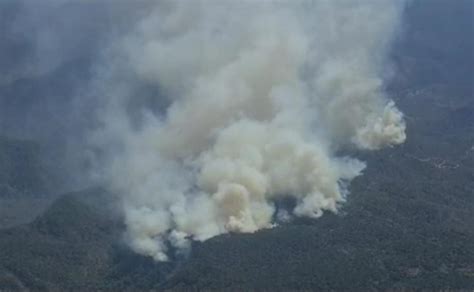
point(25, 185)
point(21, 171)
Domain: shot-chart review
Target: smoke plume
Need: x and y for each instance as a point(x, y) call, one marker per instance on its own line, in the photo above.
point(254, 102)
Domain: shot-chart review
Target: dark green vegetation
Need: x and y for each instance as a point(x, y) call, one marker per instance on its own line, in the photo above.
point(75, 245)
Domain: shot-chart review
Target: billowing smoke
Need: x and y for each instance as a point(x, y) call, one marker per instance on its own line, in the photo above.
point(260, 99)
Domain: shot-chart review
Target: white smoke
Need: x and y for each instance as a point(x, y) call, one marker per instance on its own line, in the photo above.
point(262, 96)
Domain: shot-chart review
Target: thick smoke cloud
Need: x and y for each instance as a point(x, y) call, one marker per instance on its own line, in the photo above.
point(253, 102)
point(201, 115)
